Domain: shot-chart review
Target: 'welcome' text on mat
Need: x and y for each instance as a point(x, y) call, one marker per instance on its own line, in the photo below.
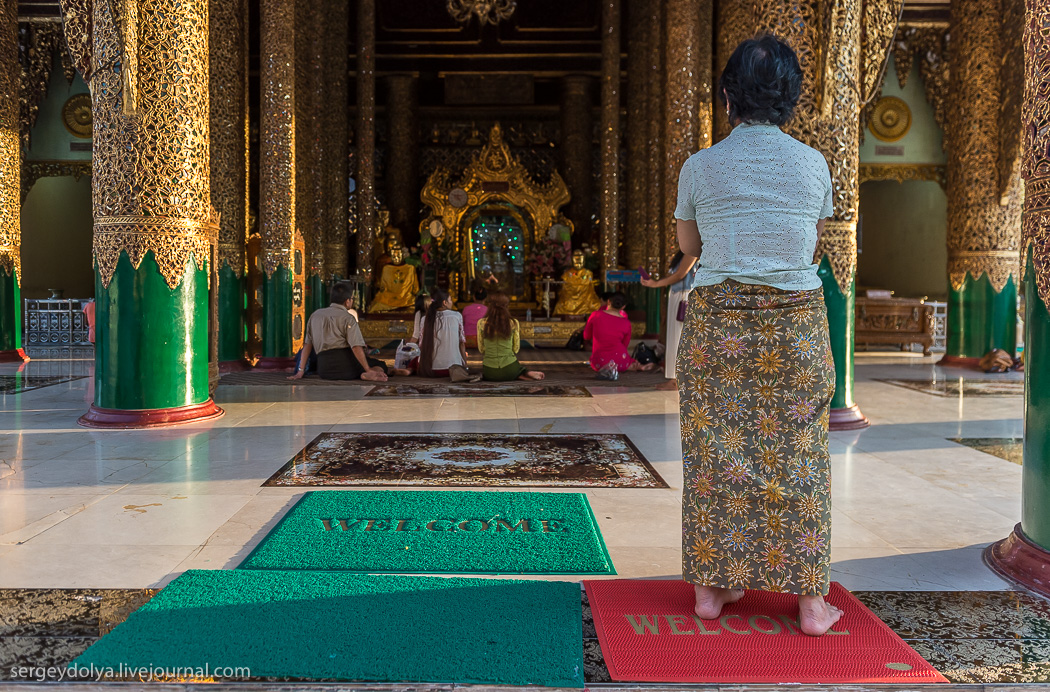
point(649, 633)
point(436, 532)
point(327, 625)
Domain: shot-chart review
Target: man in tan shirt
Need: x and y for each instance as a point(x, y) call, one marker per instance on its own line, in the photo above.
point(336, 336)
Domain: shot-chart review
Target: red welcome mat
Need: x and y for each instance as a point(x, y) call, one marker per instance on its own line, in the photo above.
point(648, 633)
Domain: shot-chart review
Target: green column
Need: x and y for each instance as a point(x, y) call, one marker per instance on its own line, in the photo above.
point(316, 294)
point(232, 309)
point(981, 319)
point(10, 317)
point(845, 414)
point(1035, 493)
point(277, 314)
point(143, 326)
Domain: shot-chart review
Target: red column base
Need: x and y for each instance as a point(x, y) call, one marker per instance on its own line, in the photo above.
point(15, 355)
point(226, 366)
point(275, 364)
point(848, 419)
point(1017, 559)
point(960, 362)
point(129, 419)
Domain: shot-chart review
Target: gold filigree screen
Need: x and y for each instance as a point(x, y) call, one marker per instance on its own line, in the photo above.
point(10, 142)
point(1036, 143)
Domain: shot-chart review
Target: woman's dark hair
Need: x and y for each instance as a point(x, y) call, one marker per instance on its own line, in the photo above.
point(617, 301)
point(479, 294)
point(421, 303)
point(426, 346)
point(762, 80)
point(498, 323)
point(676, 260)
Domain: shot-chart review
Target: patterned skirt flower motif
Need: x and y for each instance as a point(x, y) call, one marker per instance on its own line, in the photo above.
point(755, 379)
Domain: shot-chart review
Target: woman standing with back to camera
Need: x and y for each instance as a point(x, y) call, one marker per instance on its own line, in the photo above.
point(755, 370)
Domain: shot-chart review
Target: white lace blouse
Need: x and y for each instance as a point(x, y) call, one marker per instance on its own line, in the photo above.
point(756, 198)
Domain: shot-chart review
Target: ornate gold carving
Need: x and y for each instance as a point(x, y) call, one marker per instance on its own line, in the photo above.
point(173, 242)
point(494, 176)
point(879, 25)
point(37, 45)
point(309, 92)
point(984, 227)
point(10, 142)
point(33, 171)
point(365, 134)
point(736, 22)
point(76, 115)
point(827, 38)
point(77, 22)
point(902, 172)
point(891, 120)
point(228, 93)
point(487, 11)
point(277, 191)
point(335, 141)
point(637, 131)
point(576, 151)
point(151, 168)
point(609, 197)
point(1011, 94)
point(928, 43)
point(1036, 143)
point(654, 207)
point(687, 116)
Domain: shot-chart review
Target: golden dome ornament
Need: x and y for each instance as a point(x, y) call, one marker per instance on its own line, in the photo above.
point(76, 115)
point(891, 119)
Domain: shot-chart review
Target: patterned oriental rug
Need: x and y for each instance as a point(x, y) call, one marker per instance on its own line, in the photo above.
point(508, 460)
point(963, 387)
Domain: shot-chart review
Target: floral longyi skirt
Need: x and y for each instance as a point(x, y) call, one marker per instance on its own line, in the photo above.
point(755, 380)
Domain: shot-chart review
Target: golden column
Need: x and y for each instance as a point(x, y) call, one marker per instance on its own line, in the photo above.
point(610, 137)
point(654, 208)
point(335, 145)
point(154, 230)
point(984, 185)
point(277, 183)
point(577, 121)
point(365, 136)
point(10, 186)
point(827, 38)
point(310, 188)
point(402, 169)
point(228, 93)
point(1022, 556)
point(637, 135)
point(687, 99)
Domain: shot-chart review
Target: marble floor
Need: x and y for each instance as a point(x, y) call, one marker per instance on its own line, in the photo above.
point(130, 510)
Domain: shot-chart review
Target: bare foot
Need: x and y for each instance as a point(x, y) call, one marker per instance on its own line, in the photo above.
point(401, 372)
point(648, 367)
point(532, 375)
point(710, 599)
point(374, 376)
point(668, 385)
point(816, 616)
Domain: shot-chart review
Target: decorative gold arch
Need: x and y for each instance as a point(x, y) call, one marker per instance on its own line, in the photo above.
point(494, 177)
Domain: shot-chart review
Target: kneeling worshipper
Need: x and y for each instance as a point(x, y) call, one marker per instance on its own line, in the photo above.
point(610, 334)
point(336, 336)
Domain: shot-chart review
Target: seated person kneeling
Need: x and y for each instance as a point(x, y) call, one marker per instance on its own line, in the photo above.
point(610, 332)
point(499, 341)
point(336, 336)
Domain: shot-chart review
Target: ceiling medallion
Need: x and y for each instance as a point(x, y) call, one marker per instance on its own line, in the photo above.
point(891, 119)
point(76, 115)
point(487, 11)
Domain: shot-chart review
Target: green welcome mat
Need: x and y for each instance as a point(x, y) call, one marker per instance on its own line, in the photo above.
point(327, 625)
point(436, 532)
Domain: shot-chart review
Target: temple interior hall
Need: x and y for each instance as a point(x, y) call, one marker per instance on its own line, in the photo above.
point(184, 183)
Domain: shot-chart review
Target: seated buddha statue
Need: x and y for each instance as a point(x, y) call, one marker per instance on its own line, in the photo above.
point(577, 295)
point(391, 240)
point(398, 285)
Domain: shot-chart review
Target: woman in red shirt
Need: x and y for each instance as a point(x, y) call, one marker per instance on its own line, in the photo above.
point(610, 334)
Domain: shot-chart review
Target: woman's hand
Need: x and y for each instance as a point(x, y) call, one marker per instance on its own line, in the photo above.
point(651, 283)
point(297, 376)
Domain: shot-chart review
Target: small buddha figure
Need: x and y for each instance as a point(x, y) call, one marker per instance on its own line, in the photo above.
point(391, 241)
point(398, 285)
point(577, 295)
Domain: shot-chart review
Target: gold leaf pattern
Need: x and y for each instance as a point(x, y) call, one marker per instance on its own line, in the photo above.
point(1036, 143)
point(10, 142)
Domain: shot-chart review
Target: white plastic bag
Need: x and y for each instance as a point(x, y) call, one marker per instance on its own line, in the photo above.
point(609, 371)
point(404, 355)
